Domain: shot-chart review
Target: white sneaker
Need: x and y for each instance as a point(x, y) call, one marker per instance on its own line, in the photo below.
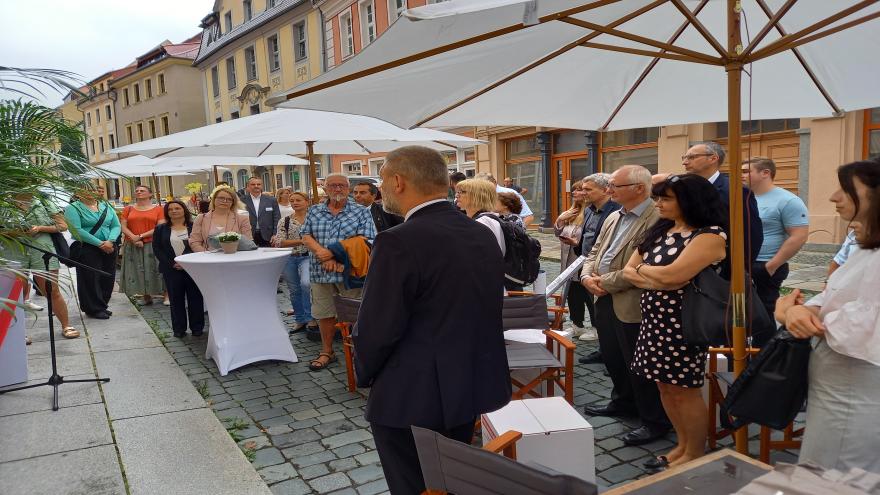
point(576, 331)
point(31, 306)
point(589, 334)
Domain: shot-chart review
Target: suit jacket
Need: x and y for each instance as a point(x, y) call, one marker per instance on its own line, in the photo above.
point(428, 337)
point(162, 246)
point(624, 295)
point(201, 229)
point(753, 228)
point(267, 218)
point(383, 219)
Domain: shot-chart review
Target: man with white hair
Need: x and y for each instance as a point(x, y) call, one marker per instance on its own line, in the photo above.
point(327, 223)
point(618, 313)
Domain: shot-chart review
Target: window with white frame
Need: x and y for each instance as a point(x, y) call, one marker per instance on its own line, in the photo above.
point(250, 63)
point(395, 9)
point(300, 43)
point(367, 11)
point(346, 32)
point(230, 73)
point(215, 81)
point(274, 53)
point(374, 164)
point(352, 167)
point(227, 20)
point(248, 10)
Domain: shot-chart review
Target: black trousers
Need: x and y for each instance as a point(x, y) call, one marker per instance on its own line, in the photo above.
point(577, 299)
point(767, 287)
point(94, 289)
point(186, 300)
point(259, 241)
point(400, 459)
point(618, 343)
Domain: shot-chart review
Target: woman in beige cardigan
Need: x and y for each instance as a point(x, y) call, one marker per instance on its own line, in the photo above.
point(222, 217)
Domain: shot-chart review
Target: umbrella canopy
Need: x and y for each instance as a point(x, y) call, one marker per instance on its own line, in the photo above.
point(289, 132)
point(604, 64)
point(138, 165)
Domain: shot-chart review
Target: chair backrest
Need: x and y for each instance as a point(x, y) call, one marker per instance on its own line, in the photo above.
point(456, 467)
point(525, 312)
point(346, 308)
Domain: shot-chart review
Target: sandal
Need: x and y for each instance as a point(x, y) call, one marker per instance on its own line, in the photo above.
point(318, 365)
point(70, 333)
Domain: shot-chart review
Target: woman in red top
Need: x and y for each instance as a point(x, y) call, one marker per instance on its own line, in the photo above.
point(140, 270)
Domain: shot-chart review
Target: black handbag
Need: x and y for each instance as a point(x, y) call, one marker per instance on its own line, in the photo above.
point(61, 247)
point(706, 310)
point(773, 387)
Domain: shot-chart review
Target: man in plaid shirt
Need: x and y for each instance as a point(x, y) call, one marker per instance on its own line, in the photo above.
point(328, 222)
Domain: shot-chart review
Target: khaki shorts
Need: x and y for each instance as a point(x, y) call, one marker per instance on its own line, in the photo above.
point(322, 298)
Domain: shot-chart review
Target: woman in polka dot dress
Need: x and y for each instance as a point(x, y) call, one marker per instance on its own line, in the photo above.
point(688, 238)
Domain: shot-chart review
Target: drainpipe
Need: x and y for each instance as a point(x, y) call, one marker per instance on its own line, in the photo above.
point(544, 144)
point(592, 140)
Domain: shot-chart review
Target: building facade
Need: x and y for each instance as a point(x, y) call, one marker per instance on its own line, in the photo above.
point(161, 94)
point(252, 50)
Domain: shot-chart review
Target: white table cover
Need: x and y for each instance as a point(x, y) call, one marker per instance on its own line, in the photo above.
point(240, 294)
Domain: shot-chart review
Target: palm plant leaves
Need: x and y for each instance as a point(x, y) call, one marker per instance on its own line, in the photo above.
point(27, 82)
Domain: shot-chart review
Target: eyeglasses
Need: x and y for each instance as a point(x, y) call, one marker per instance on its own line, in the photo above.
point(336, 186)
point(617, 186)
point(222, 199)
point(687, 158)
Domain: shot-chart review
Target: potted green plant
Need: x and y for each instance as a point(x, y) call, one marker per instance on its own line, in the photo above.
point(229, 241)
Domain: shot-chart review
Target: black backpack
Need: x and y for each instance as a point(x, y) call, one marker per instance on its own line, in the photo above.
point(521, 263)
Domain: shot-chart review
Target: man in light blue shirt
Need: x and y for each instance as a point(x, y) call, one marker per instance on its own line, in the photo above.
point(785, 222)
point(526, 214)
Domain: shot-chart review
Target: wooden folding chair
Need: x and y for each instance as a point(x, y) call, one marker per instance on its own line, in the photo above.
point(791, 437)
point(555, 358)
point(346, 316)
point(558, 308)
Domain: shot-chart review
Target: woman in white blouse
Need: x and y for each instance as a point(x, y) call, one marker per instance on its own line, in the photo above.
point(170, 240)
point(842, 429)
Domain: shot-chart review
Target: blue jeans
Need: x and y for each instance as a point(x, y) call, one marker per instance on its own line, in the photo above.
point(296, 274)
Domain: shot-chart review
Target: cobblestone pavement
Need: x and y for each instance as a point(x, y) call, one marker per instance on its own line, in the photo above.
point(305, 433)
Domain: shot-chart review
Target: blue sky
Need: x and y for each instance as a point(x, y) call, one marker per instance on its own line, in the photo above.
point(90, 37)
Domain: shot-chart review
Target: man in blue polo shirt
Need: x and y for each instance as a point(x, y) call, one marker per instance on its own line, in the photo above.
point(785, 222)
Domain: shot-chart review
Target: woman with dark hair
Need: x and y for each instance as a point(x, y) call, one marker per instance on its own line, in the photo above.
point(139, 274)
point(509, 206)
point(842, 431)
point(688, 237)
point(170, 240)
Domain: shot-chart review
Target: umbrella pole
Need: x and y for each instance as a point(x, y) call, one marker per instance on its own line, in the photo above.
point(313, 171)
point(737, 232)
point(216, 176)
point(156, 185)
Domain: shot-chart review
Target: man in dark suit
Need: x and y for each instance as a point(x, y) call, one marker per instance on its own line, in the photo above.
point(263, 211)
point(428, 338)
point(365, 195)
point(705, 160)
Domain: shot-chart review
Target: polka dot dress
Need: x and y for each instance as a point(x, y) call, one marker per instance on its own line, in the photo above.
point(661, 352)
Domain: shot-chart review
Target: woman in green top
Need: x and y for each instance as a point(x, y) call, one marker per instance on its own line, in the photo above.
point(43, 220)
point(94, 223)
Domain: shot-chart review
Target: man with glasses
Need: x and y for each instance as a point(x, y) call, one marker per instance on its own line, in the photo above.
point(618, 314)
point(705, 160)
point(329, 222)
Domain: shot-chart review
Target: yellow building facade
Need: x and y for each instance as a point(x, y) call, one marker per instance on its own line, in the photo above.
point(251, 51)
point(98, 114)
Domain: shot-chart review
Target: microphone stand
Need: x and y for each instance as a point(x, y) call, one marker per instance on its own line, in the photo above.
point(56, 380)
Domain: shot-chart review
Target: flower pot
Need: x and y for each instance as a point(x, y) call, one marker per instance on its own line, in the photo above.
point(229, 247)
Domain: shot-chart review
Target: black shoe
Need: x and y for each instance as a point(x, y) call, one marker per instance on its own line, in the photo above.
point(108, 312)
point(180, 335)
point(100, 315)
point(609, 409)
point(643, 435)
point(594, 357)
point(659, 462)
point(198, 333)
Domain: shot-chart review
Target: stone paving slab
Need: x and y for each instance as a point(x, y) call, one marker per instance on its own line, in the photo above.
point(48, 432)
point(108, 338)
point(195, 456)
point(92, 471)
point(144, 382)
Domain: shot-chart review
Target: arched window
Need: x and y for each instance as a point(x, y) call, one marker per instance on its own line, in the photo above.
point(227, 178)
point(242, 178)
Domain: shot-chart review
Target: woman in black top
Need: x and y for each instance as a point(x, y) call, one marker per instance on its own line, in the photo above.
point(170, 240)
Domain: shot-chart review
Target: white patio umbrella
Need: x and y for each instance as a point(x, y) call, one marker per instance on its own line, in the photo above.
point(612, 64)
point(294, 132)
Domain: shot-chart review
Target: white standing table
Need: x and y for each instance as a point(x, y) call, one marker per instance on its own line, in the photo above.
point(240, 294)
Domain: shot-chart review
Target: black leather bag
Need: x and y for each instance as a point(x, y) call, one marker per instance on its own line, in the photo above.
point(706, 310)
point(61, 247)
point(773, 387)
